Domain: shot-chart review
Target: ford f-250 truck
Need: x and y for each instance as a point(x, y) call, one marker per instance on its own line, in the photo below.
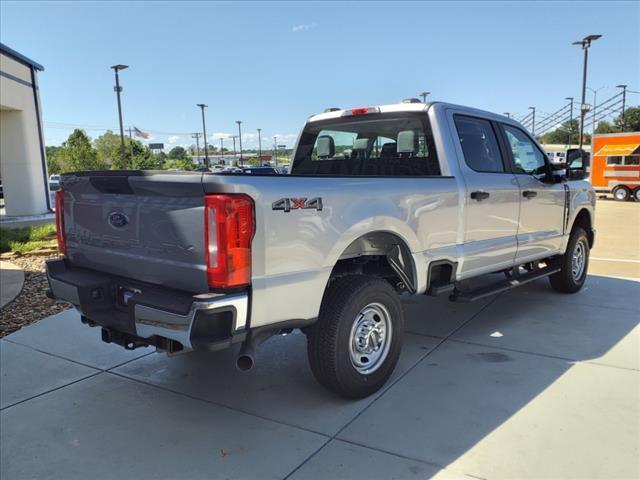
point(410, 198)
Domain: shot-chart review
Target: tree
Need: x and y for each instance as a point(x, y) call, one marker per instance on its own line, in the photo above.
point(604, 127)
point(177, 153)
point(77, 154)
point(631, 120)
point(567, 133)
point(181, 164)
point(108, 149)
point(54, 166)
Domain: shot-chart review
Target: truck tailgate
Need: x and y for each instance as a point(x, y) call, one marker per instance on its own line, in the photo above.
point(144, 226)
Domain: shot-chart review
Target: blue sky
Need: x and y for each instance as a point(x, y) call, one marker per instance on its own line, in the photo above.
point(272, 64)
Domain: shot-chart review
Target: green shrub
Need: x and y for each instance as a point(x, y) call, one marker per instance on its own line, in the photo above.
point(27, 238)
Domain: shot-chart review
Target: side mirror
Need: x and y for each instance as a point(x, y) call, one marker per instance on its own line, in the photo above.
point(577, 164)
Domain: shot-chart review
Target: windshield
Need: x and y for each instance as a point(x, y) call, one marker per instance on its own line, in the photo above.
point(369, 145)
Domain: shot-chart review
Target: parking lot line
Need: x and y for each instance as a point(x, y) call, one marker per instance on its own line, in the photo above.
point(621, 260)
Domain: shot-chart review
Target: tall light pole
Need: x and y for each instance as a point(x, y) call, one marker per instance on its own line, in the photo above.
point(424, 96)
point(259, 143)
point(585, 43)
point(222, 149)
point(570, 117)
point(118, 90)
point(533, 120)
point(239, 122)
point(204, 135)
point(234, 147)
point(595, 105)
point(275, 149)
point(624, 98)
point(197, 137)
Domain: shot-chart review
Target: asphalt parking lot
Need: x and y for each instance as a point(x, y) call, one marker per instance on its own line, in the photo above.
point(527, 384)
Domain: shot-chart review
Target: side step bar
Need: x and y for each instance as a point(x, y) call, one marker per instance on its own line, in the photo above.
point(499, 287)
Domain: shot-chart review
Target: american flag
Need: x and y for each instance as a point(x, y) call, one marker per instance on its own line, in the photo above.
point(140, 133)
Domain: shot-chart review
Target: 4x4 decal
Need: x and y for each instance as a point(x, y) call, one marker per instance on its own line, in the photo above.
point(288, 204)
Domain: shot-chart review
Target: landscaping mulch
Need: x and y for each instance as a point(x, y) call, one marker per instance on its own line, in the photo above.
point(31, 304)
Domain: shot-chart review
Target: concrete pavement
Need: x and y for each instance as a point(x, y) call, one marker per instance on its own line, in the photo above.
point(11, 281)
point(528, 384)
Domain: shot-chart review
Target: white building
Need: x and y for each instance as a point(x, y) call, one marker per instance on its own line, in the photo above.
point(23, 162)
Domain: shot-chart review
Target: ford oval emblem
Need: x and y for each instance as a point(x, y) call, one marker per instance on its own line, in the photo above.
point(118, 220)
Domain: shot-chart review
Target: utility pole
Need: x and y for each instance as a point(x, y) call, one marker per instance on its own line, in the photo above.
point(204, 135)
point(533, 121)
point(585, 43)
point(239, 122)
point(222, 149)
point(570, 117)
point(259, 143)
point(197, 137)
point(118, 90)
point(623, 124)
point(424, 96)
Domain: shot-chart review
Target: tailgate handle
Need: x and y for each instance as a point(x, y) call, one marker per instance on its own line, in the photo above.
point(529, 194)
point(478, 195)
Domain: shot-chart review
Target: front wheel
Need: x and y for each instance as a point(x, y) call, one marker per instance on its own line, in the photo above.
point(573, 264)
point(354, 346)
point(636, 194)
point(622, 194)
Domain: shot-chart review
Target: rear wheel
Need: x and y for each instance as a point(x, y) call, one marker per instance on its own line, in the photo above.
point(636, 194)
point(622, 194)
point(573, 264)
point(355, 345)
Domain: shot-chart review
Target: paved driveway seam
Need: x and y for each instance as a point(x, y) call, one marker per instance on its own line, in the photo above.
point(211, 402)
point(6, 339)
point(51, 390)
point(335, 435)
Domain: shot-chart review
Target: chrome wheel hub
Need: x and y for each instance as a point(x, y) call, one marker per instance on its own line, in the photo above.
point(370, 338)
point(579, 259)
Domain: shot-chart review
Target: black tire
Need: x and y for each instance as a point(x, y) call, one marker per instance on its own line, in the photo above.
point(621, 194)
point(566, 280)
point(636, 194)
point(329, 344)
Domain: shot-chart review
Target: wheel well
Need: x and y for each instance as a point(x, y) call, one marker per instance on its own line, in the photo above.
point(584, 220)
point(382, 254)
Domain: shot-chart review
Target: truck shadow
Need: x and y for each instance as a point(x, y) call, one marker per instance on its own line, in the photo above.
point(493, 360)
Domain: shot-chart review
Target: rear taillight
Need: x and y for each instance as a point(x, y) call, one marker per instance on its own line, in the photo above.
point(229, 227)
point(62, 238)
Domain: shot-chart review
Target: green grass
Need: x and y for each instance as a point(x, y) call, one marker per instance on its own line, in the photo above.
point(27, 239)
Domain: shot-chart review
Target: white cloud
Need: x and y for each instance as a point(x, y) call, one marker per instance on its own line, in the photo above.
point(173, 139)
point(303, 27)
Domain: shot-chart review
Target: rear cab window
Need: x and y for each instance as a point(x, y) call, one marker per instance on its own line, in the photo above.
point(374, 144)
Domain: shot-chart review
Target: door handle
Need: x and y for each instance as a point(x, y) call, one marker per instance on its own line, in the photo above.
point(529, 194)
point(478, 195)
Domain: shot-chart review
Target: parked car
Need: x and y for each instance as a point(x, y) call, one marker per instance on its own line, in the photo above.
point(262, 170)
point(402, 199)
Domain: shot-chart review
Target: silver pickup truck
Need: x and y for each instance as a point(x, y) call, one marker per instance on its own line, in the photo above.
point(402, 199)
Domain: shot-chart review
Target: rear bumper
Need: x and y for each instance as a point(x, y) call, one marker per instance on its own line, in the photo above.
point(132, 313)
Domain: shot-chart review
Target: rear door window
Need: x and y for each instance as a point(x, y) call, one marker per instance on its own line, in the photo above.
point(479, 144)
